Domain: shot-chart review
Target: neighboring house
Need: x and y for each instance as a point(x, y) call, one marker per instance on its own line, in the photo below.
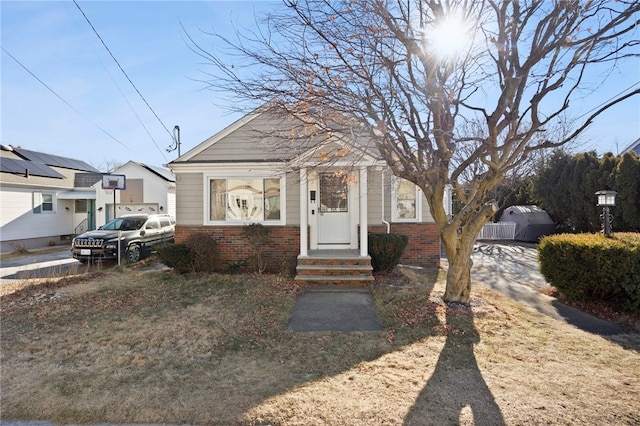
point(319, 201)
point(47, 199)
point(148, 189)
point(634, 147)
point(44, 199)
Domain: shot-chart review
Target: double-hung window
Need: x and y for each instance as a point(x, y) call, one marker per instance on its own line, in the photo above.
point(244, 199)
point(42, 202)
point(406, 201)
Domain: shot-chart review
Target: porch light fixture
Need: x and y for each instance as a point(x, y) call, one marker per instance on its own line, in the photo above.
point(606, 199)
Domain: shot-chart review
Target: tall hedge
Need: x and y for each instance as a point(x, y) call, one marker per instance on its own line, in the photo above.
point(566, 189)
point(590, 266)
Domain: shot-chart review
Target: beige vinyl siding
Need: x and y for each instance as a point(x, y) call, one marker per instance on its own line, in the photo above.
point(426, 214)
point(189, 199)
point(374, 197)
point(293, 198)
point(387, 196)
point(248, 143)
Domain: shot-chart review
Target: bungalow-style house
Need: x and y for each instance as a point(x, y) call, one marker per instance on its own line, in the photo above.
point(319, 201)
point(44, 199)
point(148, 189)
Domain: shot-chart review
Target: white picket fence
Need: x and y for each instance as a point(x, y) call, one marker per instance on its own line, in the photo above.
point(498, 231)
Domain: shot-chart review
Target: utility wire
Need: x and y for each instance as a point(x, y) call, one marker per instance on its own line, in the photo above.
point(125, 98)
point(61, 98)
point(125, 74)
point(610, 99)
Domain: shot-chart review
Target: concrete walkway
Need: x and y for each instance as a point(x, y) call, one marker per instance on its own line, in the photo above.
point(509, 268)
point(335, 309)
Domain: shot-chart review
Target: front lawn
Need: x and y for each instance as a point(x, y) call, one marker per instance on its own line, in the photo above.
point(134, 346)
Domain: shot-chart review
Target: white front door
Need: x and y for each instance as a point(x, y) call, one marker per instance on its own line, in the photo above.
point(333, 210)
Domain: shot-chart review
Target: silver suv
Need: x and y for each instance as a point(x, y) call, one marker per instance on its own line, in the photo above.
point(139, 235)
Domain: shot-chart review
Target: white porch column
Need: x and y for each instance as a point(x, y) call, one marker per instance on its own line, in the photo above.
point(304, 207)
point(364, 241)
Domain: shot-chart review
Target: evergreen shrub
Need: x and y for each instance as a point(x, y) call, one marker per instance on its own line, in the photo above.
point(386, 250)
point(176, 256)
point(203, 249)
point(591, 266)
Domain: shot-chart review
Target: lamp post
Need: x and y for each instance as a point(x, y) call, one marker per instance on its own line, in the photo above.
point(606, 199)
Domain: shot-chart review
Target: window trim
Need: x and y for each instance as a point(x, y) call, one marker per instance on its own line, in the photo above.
point(394, 202)
point(263, 175)
point(38, 202)
point(80, 211)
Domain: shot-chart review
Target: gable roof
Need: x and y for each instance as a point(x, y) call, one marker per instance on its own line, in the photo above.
point(157, 171)
point(265, 136)
point(217, 137)
point(162, 173)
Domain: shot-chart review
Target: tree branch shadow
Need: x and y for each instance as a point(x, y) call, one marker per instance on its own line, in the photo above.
point(456, 393)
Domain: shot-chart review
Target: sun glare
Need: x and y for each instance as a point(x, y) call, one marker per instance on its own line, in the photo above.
point(449, 37)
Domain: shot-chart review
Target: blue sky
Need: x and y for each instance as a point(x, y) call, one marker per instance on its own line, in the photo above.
point(55, 43)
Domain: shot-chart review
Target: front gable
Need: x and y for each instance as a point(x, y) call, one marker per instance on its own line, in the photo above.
point(314, 191)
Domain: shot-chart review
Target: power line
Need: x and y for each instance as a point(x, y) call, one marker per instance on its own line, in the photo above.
point(124, 97)
point(61, 98)
point(126, 75)
point(610, 99)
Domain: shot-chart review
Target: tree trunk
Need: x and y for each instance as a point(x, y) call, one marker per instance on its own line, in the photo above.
point(459, 278)
point(458, 249)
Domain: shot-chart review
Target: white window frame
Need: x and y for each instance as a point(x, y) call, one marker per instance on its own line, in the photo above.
point(38, 202)
point(394, 202)
point(243, 175)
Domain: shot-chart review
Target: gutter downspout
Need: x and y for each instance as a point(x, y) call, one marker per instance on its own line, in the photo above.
point(384, 221)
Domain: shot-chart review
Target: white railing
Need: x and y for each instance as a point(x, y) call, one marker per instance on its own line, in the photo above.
point(498, 231)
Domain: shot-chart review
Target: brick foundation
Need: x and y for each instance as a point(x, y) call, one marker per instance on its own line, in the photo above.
point(282, 251)
point(423, 248)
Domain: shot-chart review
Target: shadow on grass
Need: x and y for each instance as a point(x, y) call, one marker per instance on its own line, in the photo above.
point(456, 391)
point(208, 349)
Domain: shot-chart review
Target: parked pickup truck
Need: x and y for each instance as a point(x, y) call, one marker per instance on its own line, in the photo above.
point(139, 235)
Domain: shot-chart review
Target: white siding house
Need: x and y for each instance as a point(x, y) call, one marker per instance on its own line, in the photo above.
point(44, 199)
point(148, 189)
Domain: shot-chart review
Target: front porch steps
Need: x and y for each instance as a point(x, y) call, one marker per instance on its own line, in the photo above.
point(334, 268)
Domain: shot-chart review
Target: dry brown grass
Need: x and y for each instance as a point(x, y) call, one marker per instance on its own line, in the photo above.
point(154, 347)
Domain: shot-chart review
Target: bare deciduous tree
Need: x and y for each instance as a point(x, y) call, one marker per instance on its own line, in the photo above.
point(389, 68)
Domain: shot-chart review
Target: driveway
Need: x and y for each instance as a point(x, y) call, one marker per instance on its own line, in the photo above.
point(512, 269)
point(45, 263)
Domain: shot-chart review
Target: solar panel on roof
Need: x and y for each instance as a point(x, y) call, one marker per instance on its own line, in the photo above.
point(20, 167)
point(54, 160)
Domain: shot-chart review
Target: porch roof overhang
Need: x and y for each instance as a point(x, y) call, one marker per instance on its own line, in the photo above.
point(77, 195)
